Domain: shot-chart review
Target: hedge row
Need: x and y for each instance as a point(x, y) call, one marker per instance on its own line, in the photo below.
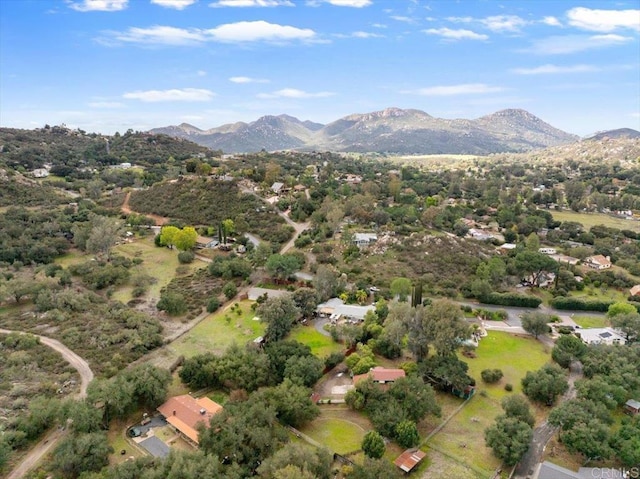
point(511, 299)
point(580, 304)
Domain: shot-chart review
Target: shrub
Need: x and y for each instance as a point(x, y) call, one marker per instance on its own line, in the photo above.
point(511, 299)
point(230, 290)
point(333, 359)
point(508, 387)
point(185, 257)
point(491, 376)
point(580, 304)
point(213, 304)
point(173, 303)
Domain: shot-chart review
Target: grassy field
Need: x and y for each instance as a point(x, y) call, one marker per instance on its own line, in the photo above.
point(321, 345)
point(591, 321)
point(514, 355)
point(338, 428)
point(592, 219)
point(461, 441)
point(463, 437)
point(218, 331)
point(159, 263)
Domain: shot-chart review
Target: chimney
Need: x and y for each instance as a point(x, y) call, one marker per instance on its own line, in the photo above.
point(174, 412)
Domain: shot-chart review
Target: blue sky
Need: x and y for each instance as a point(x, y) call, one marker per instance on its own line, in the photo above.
point(111, 65)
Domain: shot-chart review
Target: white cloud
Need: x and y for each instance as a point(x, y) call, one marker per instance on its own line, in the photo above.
point(553, 69)
point(451, 90)
point(294, 93)
point(379, 25)
point(258, 31)
point(359, 35)
point(177, 4)
point(184, 94)
point(496, 23)
point(402, 18)
point(99, 5)
point(252, 3)
point(460, 34)
point(248, 80)
point(105, 104)
point(634, 114)
point(551, 21)
point(561, 45)
point(604, 20)
point(201, 73)
point(227, 33)
point(341, 3)
point(503, 23)
point(160, 35)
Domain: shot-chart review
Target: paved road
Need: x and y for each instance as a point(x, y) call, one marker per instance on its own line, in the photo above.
point(514, 313)
point(52, 437)
point(545, 431)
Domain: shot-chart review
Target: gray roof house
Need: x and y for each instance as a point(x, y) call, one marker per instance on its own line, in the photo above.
point(548, 470)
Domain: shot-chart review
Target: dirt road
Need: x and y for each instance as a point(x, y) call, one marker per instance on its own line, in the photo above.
point(160, 220)
point(545, 431)
point(52, 437)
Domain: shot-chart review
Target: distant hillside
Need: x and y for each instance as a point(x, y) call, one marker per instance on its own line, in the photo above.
point(392, 130)
point(61, 146)
point(614, 134)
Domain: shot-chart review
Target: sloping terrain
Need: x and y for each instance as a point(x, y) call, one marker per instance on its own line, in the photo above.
point(392, 130)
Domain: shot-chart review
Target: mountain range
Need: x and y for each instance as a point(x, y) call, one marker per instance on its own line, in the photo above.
point(392, 130)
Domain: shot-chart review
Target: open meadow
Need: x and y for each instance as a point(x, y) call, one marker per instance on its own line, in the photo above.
point(593, 219)
point(159, 263)
point(219, 330)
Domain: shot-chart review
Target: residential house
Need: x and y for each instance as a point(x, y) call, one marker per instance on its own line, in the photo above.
point(409, 459)
point(380, 375)
point(601, 336)
point(40, 173)
point(480, 235)
point(632, 407)
point(598, 262)
point(277, 188)
point(635, 291)
point(335, 309)
point(546, 250)
point(548, 470)
point(185, 414)
point(563, 258)
point(506, 247)
point(362, 240)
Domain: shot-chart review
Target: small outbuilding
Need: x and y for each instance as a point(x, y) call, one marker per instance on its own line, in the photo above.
point(409, 459)
point(632, 407)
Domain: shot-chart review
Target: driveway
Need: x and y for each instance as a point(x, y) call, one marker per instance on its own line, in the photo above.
point(52, 438)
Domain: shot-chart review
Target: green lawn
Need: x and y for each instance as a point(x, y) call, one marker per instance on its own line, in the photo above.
point(514, 355)
point(337, 434)
point(321, 345)
point(605, 294)
point(218, 331)
point(592, 219)
point(591, 321)
point(159, 263)
point(463, 436)
point(74, 256)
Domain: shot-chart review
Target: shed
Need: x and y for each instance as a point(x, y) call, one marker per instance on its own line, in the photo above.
point(632, 407)
point(409, 459)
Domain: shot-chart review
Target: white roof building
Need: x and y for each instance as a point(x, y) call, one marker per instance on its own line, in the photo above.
point(601, 336)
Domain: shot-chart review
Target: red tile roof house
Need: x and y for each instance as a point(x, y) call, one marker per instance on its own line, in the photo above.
point(635, 291)
point(185, 413)
point(380, 375)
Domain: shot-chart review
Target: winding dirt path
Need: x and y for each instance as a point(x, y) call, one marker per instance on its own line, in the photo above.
point(126, 209)
point(52, 438)
point(545, 431)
